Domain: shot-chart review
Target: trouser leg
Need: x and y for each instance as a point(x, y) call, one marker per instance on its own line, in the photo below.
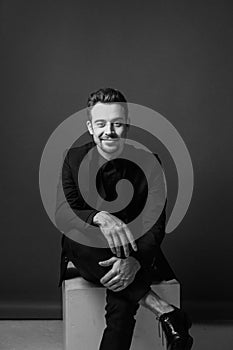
point(120, 322)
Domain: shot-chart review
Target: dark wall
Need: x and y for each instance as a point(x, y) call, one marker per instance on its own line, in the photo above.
point(172, 56)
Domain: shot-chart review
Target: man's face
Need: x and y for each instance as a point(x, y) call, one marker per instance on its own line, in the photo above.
point(108, 127)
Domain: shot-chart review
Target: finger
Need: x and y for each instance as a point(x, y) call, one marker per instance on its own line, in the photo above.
point(108, 262)
point(109, 275)
point(116, 286)
point(126, 250)
point(117, 244)
point(111, 244)
point(119, 288)
point(130, 238)
point(125, 283)
point(114, 282)
point(124, 242)
point(109, 239)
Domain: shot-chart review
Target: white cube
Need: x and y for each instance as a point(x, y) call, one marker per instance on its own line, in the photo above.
point(84, 322)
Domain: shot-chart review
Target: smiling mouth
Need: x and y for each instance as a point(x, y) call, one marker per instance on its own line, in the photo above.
point(109, 140)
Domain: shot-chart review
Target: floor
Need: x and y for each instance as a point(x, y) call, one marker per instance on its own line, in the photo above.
point(47, 335)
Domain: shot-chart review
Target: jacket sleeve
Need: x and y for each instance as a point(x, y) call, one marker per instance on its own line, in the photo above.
point(72, 212)
point(153, 223)
point(154, 215)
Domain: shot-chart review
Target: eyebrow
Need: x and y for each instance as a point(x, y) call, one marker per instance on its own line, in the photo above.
point(104, 120)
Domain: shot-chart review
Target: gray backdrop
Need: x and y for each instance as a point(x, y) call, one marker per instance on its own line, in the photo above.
point(172, 56)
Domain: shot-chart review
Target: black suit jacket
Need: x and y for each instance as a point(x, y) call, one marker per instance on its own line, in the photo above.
point(74, 215)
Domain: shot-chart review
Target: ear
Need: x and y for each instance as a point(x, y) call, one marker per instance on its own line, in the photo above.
point(89, 127)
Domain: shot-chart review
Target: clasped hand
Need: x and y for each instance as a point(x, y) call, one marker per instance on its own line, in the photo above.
point(121, 274)
point(116, 233)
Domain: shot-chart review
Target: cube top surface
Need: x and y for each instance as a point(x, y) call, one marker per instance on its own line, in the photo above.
point(81, 283)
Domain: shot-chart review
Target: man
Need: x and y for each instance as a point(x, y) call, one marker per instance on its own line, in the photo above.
point(129, 262)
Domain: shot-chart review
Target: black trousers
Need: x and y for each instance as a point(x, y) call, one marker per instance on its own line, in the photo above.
point(121, 307)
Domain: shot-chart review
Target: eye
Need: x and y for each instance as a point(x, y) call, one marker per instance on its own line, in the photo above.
point(100, 124)
point(117, 124)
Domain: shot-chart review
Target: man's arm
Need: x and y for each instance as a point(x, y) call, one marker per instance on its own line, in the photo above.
point(154, 212)
point(71, 210)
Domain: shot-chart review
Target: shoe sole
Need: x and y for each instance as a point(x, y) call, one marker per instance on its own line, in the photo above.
point(180, 345)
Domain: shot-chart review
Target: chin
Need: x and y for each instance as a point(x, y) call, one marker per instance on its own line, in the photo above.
point(110, 150)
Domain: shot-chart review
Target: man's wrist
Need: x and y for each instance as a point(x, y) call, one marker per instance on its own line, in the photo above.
point(95, 219)
point(98, 219)
point(136, 262)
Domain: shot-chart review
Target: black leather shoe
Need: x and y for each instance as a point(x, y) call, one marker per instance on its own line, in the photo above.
point(175, 325)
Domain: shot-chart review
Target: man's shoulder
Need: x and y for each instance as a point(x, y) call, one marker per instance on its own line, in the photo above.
point(76, 153)
point(141, 153)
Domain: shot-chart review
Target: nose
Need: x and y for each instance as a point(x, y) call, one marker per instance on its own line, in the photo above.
point(109, 129)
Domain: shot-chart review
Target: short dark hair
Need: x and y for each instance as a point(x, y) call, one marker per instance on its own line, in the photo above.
point(106, 95)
